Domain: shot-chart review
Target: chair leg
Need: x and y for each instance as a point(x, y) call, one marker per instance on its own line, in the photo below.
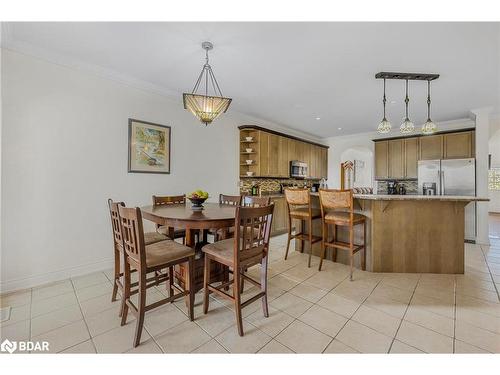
point(310, 244)
point(242, 284)
point(190, 296)
point(237, 300)
point(324, 239)
point(302, 230)
point(141, 309)
point(171, 282)
point(351, 259)
point(334, 255)
point(351, 245)
point(117, 276)
point(289, 236)
point(206, 281)
point(363, 259)
point(263, 286)
point(126, 293)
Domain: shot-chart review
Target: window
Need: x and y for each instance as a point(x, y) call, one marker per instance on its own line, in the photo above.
point(494, 179)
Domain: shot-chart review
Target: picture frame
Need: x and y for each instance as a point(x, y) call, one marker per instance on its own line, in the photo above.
point(149, 147)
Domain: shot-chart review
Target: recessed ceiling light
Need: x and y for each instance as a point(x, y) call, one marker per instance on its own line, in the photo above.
point(393, 102)
point(340, 128)
point(318, 118)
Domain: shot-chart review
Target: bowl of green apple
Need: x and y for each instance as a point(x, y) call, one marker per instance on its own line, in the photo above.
point(197, 198)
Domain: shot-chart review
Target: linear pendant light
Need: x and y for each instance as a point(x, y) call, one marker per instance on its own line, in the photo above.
point(204, 106)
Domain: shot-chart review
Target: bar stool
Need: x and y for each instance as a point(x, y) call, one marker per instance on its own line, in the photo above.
point(254, 201)
point(149, 238)
point(331, 201)
point(228, 200)
point(298, 203)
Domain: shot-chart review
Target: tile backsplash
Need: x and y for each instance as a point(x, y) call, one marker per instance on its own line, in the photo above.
point(410, 185)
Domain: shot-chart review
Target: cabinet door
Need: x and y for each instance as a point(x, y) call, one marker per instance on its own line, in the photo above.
point(273, 155)
point(313, 164)
point(283, 158)
point(411, 157)
point(396, 158)
point(457, 145)
point(324, 162)
point(264, 154)
point(381, 159)
point(431, 147)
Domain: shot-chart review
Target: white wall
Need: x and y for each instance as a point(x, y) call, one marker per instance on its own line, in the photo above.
point(494, 150)
point(64, 151)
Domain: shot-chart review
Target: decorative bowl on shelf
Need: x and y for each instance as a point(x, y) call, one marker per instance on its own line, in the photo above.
point(249, 161)
point(249, 150)
point(249, 139)
point(249, 174)
point(197, 198)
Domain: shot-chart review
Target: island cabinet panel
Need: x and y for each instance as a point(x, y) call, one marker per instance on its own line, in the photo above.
point(280, 219)
point(411, 157)
point(458, 145)
point(431, 147)
point(382, 159)
point(396, 158)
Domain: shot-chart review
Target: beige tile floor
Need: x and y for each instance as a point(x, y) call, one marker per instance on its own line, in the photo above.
point(310, 312)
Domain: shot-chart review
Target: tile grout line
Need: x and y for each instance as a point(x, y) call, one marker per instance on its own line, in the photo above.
point(83, 316)
point(403, 317)
point(489, 270)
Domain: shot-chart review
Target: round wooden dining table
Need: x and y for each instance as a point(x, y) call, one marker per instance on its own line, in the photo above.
point(181, 216)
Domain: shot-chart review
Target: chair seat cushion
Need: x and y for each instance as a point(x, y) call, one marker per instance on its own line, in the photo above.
point(221, 249)
point(343, 217)
point(165, 252)
point(304, 212)
point(152, 237)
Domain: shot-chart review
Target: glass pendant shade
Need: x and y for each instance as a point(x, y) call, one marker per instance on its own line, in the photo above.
point(407, 126)
point(384, 126)
point(204, 106)
point(429, 127)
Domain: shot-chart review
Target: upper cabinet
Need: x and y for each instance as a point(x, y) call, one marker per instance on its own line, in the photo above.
point(398, 158)
point(268, 154)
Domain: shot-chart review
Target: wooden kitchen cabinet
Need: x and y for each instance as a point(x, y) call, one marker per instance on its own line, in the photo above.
point(273, 156)
point(324, 163)
point(381, 159)
point(457, 145)
point(284, 162)
point(431, 147)
point(280, 219)
point(411, 157)
point(396, 158)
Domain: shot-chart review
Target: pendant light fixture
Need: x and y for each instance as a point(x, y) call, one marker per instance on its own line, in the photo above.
point(407, 126)
point(200, 102)
point(429, 127)
point(384, 126)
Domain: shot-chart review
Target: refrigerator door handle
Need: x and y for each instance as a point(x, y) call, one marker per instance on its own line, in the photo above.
point(443, 191)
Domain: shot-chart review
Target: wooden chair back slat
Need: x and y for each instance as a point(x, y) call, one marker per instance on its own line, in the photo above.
point(253, 229)
point(231, 200)
point(251, 201)
point(133, 234)
point(115, 222)
point(168, 199)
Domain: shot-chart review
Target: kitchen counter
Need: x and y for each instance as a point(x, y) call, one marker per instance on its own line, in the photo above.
point(405, 233)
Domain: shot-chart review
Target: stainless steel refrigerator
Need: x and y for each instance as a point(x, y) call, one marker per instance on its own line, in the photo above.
point(451, 177)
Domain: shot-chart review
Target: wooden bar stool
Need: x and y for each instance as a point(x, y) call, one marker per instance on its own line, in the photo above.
point(146, 259)
point(298, 202)
point(331, 202)
point(250, 246)
point(254, 201)
point(172, 233)
point(149, 238)
point(230, 200)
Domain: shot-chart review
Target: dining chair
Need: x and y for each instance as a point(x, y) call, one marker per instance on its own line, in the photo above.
point(299, 207)
point(146, 259)
point(249, 247)
point(337, 209)
point(163, 200)
point(149, 238)
point(254, 201)
point(228, 200)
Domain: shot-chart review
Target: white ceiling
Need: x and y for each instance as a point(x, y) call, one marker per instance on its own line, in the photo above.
point(291, 73)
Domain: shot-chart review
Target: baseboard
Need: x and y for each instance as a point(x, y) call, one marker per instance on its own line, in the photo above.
point(50, 277)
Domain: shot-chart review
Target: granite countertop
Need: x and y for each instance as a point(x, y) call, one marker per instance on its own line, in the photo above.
point(410, 197)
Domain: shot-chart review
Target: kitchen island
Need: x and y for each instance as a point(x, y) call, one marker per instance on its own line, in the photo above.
point(407, 233)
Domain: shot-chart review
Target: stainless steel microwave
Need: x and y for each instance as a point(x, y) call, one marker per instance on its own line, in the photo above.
point(298, 169)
